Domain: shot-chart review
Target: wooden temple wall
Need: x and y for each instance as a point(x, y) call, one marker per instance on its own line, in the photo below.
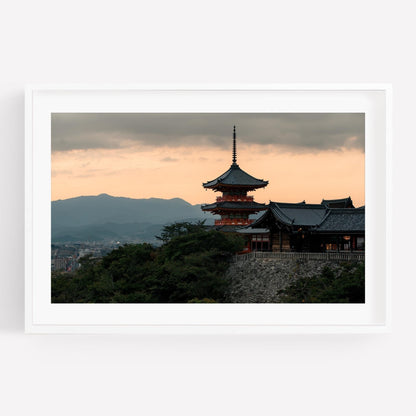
point(283, 245)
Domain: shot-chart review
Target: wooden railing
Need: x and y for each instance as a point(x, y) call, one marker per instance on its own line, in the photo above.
point(234, 221)
point(234, 198)
point(338, 256)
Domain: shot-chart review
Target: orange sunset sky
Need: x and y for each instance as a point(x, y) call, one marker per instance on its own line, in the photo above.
point(303, 156)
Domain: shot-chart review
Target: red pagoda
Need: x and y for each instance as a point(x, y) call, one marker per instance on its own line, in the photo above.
point(234, 206)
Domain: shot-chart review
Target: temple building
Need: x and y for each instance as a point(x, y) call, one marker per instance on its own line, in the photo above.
point(332, 225)
point(234, 205)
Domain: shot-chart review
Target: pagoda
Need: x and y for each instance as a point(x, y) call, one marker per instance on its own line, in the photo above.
point(234, 206)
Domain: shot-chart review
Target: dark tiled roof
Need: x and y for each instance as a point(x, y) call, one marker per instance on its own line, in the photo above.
point(259, 221)
point(234, 206)
point(300, 214)
point(343, 220)
point(235, 176)
point(227, 228)
point(338, 203)
point(250, 230)
point(319, 217)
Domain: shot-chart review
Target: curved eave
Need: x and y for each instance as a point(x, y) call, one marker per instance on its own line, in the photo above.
point(346, 232)
point(235, 177)
point(260, 219)
point(280, 216)
point(250, 230)
point(223, 209)
point(220, 186)
point(252, 210)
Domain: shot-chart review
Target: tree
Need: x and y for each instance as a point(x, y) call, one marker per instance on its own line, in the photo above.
point(348, 286)
point(188, 267)
point(193, 265)
point(90, 284)
point(180, 228)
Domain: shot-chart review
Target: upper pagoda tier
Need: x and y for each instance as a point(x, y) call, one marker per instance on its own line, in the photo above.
point(234, 206)
point(235, 177)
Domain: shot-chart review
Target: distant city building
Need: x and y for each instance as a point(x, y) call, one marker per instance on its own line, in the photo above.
point(59, 264)
point(65, 257)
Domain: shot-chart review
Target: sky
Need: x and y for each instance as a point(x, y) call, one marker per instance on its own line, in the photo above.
point(308, 156)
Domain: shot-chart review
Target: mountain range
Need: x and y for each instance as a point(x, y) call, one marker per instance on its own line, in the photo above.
point(105, 217)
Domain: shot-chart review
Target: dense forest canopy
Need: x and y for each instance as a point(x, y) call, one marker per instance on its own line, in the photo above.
point(188, 267)
point(347, 286)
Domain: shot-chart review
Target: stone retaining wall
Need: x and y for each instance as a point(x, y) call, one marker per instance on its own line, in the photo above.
point(260, 280)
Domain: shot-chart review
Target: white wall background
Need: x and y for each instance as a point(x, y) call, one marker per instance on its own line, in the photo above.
point(182, 41)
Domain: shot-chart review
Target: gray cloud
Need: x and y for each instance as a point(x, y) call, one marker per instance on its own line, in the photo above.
point(292, 131)
point(169, 159)
point(57, 172)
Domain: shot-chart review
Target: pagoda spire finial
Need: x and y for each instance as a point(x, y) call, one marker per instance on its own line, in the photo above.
point(234, 148)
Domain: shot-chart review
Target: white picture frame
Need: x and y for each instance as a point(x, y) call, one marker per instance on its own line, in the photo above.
point(41, 316)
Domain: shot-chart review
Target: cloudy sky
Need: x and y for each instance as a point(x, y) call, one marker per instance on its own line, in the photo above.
point(303, 156)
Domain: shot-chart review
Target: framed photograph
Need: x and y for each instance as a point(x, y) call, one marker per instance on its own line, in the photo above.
point(222, 209)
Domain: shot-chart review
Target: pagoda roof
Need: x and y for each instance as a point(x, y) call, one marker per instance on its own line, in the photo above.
point(227, 228)
point(235, 177)
point(230, 205)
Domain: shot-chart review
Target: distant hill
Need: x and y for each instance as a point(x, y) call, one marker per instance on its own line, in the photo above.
point(104, 217)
